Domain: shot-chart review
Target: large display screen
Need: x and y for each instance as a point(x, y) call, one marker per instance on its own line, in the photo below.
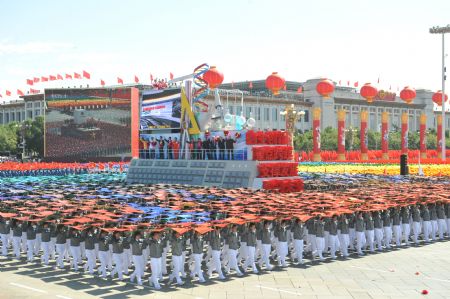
point(83, 124)
point(161, 109)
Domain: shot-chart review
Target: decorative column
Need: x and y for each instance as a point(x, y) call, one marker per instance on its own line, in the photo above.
point(385, 135)
point(405, 133)
point(316, 134)
point(363, 135)
point(341, 134)
point(439, 136)
point(423, 142)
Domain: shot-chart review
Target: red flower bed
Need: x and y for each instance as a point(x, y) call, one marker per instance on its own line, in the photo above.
point(283, 169)
point(375, 156)
point(269, 137)
point(270, 153)
point(284, 186)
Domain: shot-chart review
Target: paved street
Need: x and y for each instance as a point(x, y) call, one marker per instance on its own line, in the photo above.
point(386, 275)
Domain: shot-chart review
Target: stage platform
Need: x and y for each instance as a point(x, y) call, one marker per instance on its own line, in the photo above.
point(220, 173)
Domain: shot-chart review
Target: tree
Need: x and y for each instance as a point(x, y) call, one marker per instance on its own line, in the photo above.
point(374, 140)
point(8, 138)
point(34, 136)
point(303, 142)
point(395, 140)
point(328, 139)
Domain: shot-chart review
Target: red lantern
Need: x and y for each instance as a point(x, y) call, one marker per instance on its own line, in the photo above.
point(408, 94)
point(213, 77)
point(368, 92)
point(325, 87)
point(275, 83)
point(437, 98)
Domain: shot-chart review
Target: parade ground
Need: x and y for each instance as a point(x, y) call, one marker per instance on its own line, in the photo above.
point(402, 273)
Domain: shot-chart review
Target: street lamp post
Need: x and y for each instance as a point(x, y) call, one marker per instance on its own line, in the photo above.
point(292, 116)
point(443, 31)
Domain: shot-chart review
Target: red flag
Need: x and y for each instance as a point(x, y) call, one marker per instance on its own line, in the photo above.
point(34, 91)
point(250, 85)
point(86, 75)
point(8, 93)
point(44, 79)
point(102, 83)
point(300, 90)
point(171, 76)
point(30, 82)
point(59, 77)
point(52, 78)
point(76, 76)
point(36, 80)
point(356, 84)
point(151, 78)
point(136, 79)
point(68, 76)
point(119, 80)
point(19, 92)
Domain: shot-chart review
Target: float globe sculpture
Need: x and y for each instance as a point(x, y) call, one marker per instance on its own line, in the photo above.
point(275, 83)
point(369, 92)
point(408, 94)
point(325, 87)
point(437, 98)
point(214, 77)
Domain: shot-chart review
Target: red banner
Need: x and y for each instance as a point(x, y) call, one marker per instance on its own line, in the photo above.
point(384, 135)
point(439, 136)
point(316, 134)
point(363, 136)
point(423, 144)
point(341, 134)
point(404, 133)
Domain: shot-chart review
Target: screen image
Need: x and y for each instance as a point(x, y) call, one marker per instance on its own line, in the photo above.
point(161, 109)
point(87, 123)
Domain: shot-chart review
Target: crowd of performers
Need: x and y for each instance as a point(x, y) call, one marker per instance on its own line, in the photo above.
point(209, 148)
point(263, 243)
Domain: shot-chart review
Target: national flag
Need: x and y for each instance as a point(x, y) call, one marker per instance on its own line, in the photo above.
point(356, 84)
point(34, 91)
point(151, 78)
point(102, 83)
point(136, 79)
point(250, 85)
point(8, 93)
point(76, 76)
point(68, 76)
point(52, 78)
point(300, 90)
point(171, 76)
point(36, 80)
point(20, 93)
point(30, 82)
point(44, 79)
point(86, 75)
point(59, 77)
point(119, 80)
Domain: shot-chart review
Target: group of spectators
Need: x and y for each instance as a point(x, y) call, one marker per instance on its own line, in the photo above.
point(210, 148)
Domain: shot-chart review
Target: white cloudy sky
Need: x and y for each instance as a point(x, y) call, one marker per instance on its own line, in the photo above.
point(356, 40)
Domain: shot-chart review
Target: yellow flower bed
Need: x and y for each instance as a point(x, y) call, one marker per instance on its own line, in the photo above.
point(428, 169)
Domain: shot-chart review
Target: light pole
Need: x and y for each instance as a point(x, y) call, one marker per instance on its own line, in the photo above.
point(292, 116)
point(443, 31)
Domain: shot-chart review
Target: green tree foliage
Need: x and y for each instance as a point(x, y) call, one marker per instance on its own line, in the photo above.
point(34, 136)
point(8, 137)
point(11, 136)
